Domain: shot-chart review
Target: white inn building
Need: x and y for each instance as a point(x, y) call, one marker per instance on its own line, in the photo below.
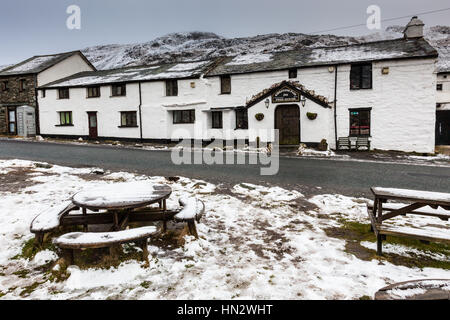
point(384, 90)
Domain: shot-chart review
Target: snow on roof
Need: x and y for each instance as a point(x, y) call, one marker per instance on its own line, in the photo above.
point(36, 64)
point(443, 64)
point(304, 57)
point(188, 66)
point(250, 58)
point(133, 74)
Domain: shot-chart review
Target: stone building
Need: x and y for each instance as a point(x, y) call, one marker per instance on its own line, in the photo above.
point(18, 83)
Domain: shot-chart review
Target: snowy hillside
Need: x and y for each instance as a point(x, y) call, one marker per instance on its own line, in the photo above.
point(202, 45)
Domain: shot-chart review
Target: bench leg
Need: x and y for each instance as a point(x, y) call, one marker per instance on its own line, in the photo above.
point(380, 245)
point(144, 248)
point(192, 229)
point(68, 256)
point(39, 238)
point(114, 252)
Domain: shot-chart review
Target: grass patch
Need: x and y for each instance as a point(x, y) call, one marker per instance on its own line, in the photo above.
point(355, 233)
point(29, 289)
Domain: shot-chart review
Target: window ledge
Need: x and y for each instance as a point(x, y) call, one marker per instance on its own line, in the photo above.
point(240, 128)
point(224, 93)
point(128, 126)
point(63, 125)
point(118, 96)
point(92, 97)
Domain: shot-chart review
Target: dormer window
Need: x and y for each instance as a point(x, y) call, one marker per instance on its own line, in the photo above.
point(293, 73)
point(361, 76)
point(118, 90)
point(225, 84)
point(171, 88)
point(63, 93)
point(93, 92)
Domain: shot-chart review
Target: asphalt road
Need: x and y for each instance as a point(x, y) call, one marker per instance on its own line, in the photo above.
point(337, 176)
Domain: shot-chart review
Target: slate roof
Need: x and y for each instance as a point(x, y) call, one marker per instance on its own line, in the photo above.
point(38, 64)
point(306, 57)
point(181, 70)
point(310, 94)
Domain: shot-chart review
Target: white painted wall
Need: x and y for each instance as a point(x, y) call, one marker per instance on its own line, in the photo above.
point(108, 112)
point(443, 97)
point(65, 68)
point(403, 106)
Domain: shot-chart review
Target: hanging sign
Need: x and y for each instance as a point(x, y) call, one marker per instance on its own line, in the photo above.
point(285, 94)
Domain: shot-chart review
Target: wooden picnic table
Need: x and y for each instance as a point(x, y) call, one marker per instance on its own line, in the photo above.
point(435, 204)
point(119, 200)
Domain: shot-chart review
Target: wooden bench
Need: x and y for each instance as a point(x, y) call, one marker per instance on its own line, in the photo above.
point(50, 219)
point(362, 142)
point(192, 211)
point(84, 240)
point(435, 204)
point(424, 211)
point(344, 143)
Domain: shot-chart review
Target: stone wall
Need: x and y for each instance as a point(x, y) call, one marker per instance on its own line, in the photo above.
point(13, 97)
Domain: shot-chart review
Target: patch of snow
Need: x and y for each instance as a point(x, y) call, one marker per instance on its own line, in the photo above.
point(251, 58)
point(43, 257)
point(32, 64)
point(187, 66)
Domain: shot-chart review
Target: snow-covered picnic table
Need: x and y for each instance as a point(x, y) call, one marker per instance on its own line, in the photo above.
point(117, 204)
point(434, 204)
point(122, 196)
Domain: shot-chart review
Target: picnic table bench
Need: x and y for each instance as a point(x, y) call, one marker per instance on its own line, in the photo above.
point(83, 240)
point(117, 205)
point(434, 204)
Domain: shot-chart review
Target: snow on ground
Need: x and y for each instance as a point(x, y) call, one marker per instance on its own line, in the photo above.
point(255, 243)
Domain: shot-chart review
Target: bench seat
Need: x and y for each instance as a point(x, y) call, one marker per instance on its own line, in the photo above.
point(424, 211)
point(82, 240)
point(436, 235)
point(192, 211)
point(49, 219)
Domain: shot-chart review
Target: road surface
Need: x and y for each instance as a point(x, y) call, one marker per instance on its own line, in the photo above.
point(335, 176)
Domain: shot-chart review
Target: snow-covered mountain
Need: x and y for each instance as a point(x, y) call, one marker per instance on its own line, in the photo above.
point(178, 47)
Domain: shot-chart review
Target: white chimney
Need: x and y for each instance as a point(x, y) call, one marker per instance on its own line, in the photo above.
point(414, 29)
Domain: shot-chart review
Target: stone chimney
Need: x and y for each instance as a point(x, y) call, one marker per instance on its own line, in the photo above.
point(414, 29)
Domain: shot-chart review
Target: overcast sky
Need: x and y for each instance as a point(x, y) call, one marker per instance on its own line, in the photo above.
point(30, 27)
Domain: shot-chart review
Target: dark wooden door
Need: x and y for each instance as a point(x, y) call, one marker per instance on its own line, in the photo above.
point(287, 121)
point(92, 119)
point(443, 127)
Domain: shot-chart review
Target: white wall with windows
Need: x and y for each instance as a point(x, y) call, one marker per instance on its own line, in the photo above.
point(400, 103)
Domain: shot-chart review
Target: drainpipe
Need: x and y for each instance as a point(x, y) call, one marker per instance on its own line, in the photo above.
point(335, 105)
point(140, 111)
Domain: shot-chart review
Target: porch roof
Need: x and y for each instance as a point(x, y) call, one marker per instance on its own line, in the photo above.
point(295, 85)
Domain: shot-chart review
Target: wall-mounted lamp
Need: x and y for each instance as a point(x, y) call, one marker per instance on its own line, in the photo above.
point(303, 100)
point(267, 102)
